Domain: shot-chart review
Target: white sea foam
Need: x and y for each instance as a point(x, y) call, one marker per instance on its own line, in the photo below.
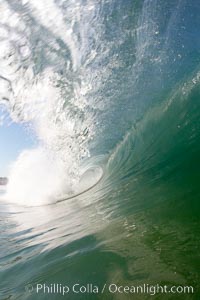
point(39, 58)
point(37, 177)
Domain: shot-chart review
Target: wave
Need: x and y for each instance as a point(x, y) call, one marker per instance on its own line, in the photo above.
point(111, 91)
point(88, 76)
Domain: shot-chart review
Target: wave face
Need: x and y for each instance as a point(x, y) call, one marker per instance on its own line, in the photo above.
point(104, 85)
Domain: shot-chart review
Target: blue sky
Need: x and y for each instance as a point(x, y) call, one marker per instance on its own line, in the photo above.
point(14, 138)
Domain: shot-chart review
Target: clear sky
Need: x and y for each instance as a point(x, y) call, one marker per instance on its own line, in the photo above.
point(14, 138)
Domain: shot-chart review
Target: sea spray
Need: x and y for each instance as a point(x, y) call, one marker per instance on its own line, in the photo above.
point(37, 177)
point(43, 88)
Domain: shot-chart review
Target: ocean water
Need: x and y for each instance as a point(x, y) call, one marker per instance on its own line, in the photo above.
point(110, 194)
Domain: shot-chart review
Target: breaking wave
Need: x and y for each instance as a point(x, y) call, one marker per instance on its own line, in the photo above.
point(88, 76)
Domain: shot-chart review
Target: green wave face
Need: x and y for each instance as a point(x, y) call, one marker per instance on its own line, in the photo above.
point(112, 92)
